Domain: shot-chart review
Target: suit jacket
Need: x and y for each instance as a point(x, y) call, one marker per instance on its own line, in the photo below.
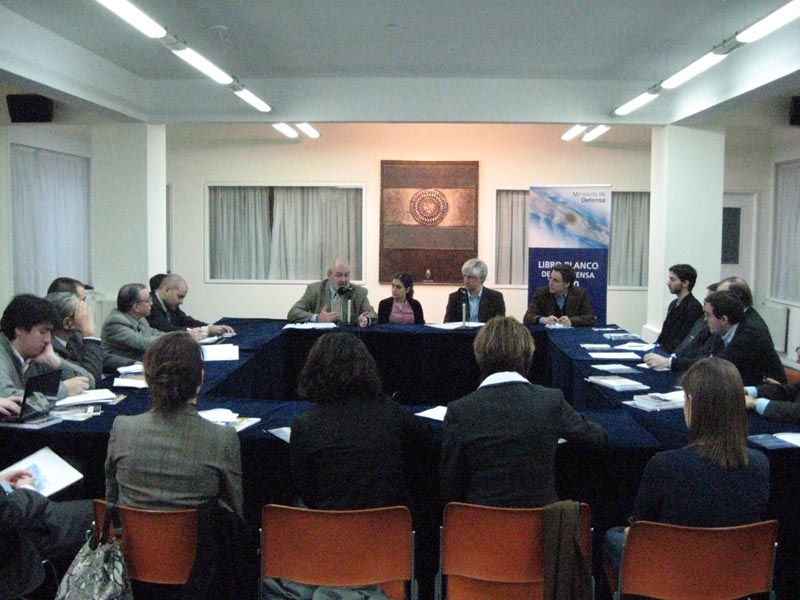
point(161, 461)
point(89, 354)
point(317, 296)
point(752, 352)
point(355, 453)
point(385, 310)
point(678, 322)
point(491, 305)
point(125, 336)
point(32, 528)
point(166, 319)
point(784, 402)
point(499, 444)
point(576, 307)
point(12, 379)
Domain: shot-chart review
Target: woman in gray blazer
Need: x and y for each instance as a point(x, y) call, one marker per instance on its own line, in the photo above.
point(170, 457)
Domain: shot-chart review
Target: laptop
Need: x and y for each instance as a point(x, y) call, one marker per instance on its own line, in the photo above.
point(35, 403)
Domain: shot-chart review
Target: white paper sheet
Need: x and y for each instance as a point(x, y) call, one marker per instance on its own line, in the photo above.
point(131, 370)
point(436, 413)
point(455, 325)
point(129, 382)
point(615, 356)
point(790, 437)
point(282, 433)
point(309, 325)
point(640, 346)
point(221, 352)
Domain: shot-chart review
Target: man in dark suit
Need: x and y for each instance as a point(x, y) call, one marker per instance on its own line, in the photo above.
point(481, 303)
point(739, 288)
point(499, 442)
point(166, 314)
point(74, 337)
point(560, 302)
point(776, 401)
point(684, 311)
point(748, 348)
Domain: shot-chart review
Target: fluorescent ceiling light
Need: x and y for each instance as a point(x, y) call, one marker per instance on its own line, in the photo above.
point(253, 100)
point(132, 15)
point(693, 70)
point(595, 133)
point(573, 132)
point(637, 102)
point(308, 130)
point(286, 130)
point(784, 15)
point(204, 65)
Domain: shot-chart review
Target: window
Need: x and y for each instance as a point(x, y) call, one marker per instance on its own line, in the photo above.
point(283, 233)
point(630, 238)
point(50, 216)
point(785, 283)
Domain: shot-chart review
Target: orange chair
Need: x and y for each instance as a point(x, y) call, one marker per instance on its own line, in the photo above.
point(159, 545)
point(792, 375)
point(696, 563)
point(340, 548)
point(490, 553)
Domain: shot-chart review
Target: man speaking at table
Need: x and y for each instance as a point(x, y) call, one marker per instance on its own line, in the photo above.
point(334, 300)
point(479, 302)
point(560, 302)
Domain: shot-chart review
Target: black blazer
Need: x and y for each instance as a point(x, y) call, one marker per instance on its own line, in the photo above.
point(784, 402)
point(751, 351)
point(679, 322)
point(385, 309)
point(499, 444)
point(165, 319)
point(491, 305)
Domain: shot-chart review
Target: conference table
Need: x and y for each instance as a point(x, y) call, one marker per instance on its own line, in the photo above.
point(425, 367)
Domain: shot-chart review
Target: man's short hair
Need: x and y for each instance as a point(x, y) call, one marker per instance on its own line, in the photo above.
point(475, 266)
point(65, 284)
point(685, 273)
point(170, 280)
point(128, 296)
point(155, 281)
point(567, 272)
point(64, 303)
point(26, 311)
point(726, 304)
point(739, 288)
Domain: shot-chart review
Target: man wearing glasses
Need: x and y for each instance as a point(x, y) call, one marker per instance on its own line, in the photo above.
point(126, 331)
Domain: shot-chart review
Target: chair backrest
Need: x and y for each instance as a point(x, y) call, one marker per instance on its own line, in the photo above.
point(159, 545)
point(340, 548)
point(696, 563)
point(792, 375)
point(490, 553)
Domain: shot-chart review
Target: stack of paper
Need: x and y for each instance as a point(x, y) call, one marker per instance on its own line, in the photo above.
point(615, 368)
point(224, 416)
point(617, 383)
point(651, 402)
point(622, 335)
point(88, 397)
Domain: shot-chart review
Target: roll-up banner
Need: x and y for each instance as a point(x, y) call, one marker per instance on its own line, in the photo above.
point(571, 224)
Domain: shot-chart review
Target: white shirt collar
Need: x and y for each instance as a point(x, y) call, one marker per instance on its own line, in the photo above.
point(503, 377)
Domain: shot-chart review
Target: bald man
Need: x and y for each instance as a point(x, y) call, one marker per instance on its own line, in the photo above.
point(166, 314)
point(327, 301)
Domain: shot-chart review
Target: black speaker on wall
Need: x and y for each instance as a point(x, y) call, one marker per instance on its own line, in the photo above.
point(794, 111)
point(29, 108)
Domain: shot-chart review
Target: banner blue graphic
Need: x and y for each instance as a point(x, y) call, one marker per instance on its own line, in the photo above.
point(571, 225)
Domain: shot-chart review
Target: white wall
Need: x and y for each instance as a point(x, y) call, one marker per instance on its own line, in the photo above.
point(510, 156)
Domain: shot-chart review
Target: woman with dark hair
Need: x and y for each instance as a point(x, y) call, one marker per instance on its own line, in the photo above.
point(401, 307)
point(499, 442)
point(353, 448)
point(715, 481)
point(170, 457)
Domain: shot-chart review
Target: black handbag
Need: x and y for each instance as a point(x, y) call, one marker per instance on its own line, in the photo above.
point(99, 570)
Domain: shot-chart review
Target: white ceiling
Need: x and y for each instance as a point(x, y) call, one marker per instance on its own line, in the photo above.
point(533, 61)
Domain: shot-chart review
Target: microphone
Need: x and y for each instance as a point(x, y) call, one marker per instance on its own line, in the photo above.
point(344, 289)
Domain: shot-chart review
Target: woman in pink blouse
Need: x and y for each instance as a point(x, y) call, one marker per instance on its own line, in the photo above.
point(401, 308)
